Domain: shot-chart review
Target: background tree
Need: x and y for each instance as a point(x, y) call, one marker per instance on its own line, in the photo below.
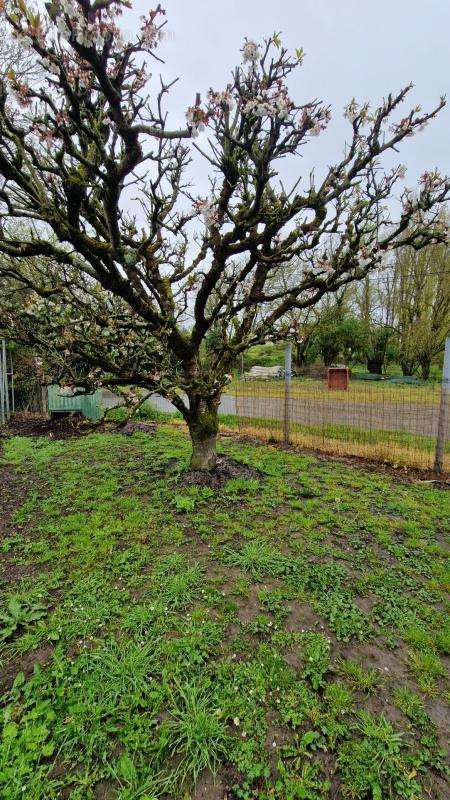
point(302, 328)
point(118, 278)
point(423, 306)
point(338, 332)
point(375, 304)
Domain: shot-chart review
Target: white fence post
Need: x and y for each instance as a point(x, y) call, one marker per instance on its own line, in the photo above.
point(443, 411)
point(287, 392)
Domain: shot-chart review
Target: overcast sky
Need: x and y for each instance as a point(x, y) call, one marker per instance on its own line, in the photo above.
point(354, 48)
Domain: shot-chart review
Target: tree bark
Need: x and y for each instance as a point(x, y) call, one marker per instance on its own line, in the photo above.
point(407, 368)
point(203, 424)
point(375, 365)
point(425, 366)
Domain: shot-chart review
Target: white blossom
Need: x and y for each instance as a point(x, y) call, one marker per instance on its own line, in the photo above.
point(250, 52)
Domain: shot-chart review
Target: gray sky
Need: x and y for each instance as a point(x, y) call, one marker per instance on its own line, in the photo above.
point(354, 48)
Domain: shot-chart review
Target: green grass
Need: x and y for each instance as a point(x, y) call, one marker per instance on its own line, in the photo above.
point(373, 392)
point(284, 636)
point(395, 447)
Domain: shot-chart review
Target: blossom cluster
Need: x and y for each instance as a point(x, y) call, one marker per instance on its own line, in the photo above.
point(324, 265)
point(72, 21)
point(317, 121)
point(431, 181)
point(150, 33)
point(208, 210)
point(269, 104)
point(369, 254)
point(221, 100)
point(21, 93)
point(354, 111)
point(250, 52)
point(197, 119)
point(404, 126)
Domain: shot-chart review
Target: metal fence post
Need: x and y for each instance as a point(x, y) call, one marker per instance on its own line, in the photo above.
point(2, 388)
point(287, 392)
point(5, 378)
point(443, 411)
point(13, 396)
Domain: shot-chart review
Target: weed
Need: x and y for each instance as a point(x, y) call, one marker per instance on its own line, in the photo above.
point(360, 679)
point(316, 658)
point(427, 667)
point(260, 559)
point(375, 765)
point(19, 613)
point(150, 677)
point(344, 617)
point(193, 732)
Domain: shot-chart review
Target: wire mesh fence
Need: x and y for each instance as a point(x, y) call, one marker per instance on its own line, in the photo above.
point(394, 423)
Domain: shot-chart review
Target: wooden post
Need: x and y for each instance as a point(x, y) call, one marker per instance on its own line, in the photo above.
point(287, 392)
point(44, 401)
point(443, 411)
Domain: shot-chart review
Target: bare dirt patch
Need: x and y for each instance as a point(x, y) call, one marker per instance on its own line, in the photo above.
point(13, 492)
point(61, 426)
point(132, 426)
point(226, 469)
point(24, 663)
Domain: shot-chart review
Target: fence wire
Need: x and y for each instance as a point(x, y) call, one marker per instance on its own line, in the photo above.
point(387, 422)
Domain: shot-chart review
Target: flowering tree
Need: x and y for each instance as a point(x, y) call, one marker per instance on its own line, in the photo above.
point(124, 270)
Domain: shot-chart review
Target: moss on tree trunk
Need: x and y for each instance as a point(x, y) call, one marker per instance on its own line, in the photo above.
point(203, 426)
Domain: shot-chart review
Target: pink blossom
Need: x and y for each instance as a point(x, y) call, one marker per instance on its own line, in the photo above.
point(208, 210)
point(197, 119)
point(221, 99)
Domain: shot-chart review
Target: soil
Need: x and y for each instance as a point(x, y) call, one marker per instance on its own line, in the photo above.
point(24, 663)
point(13, 492)
point(60, 426)
point(226, 468)
point(131, 426)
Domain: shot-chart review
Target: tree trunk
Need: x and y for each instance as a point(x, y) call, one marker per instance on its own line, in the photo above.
point(407, 368)
point(375, 365)
point(203, 424)
point(330, 357)
point(425, 365)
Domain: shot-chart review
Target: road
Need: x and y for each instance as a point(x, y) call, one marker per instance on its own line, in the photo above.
point(419, 419)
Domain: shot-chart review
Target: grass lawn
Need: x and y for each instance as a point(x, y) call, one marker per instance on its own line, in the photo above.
point(394, 447)
point(397, 395)
point(285, 632)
